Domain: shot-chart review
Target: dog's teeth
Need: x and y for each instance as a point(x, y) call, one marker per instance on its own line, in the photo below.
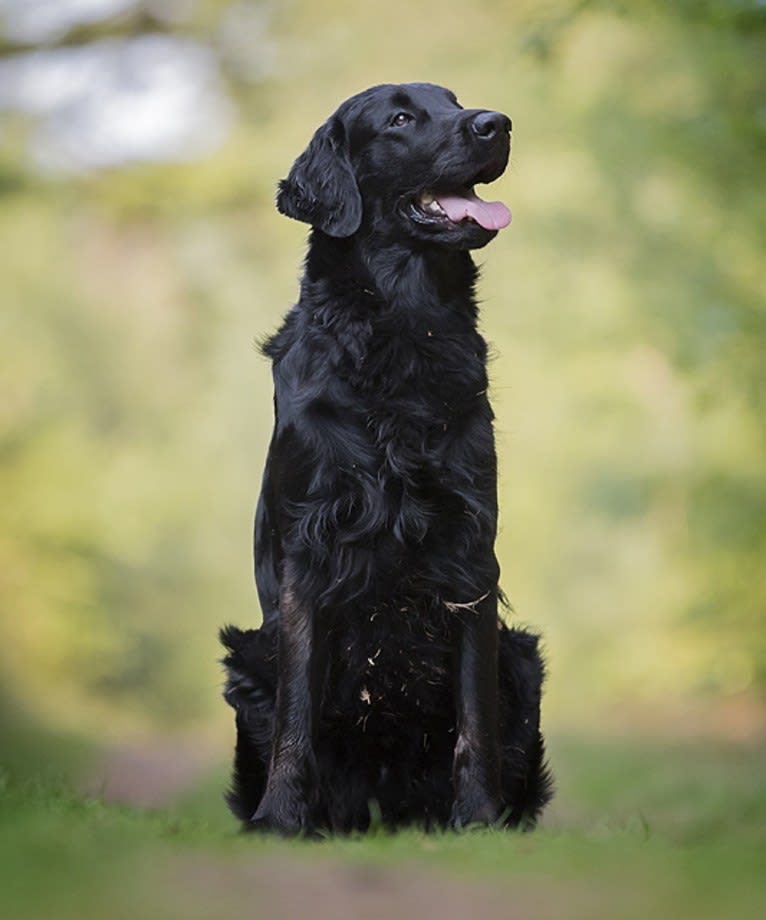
point(428, 203)
point(433, 207)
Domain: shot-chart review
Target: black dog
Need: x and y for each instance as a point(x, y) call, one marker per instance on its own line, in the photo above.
point(382, 677)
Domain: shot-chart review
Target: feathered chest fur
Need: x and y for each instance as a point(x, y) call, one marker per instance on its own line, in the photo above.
point(393, 413)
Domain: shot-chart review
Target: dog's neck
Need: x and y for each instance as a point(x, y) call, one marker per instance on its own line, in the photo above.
point(405, 279)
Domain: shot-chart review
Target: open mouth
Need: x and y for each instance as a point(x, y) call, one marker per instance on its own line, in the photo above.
point(447, 208)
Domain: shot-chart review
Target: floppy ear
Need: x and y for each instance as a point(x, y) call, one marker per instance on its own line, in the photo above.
point(321, 188)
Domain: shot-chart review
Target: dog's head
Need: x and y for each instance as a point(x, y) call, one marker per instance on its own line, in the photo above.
point(402, 157)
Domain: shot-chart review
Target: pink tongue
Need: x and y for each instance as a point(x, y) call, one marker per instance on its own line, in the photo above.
point(492, 215)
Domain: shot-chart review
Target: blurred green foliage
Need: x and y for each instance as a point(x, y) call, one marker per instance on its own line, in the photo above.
point(625, 305)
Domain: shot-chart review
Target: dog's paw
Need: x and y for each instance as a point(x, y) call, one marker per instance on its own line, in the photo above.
point(282, 815)
point(476, 811)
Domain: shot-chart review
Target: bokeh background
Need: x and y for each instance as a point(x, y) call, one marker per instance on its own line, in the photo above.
point(141, 257)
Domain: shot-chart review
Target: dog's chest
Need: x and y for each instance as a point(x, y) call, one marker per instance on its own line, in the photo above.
point(419, 373)
point(398, 429)
point(418, 403)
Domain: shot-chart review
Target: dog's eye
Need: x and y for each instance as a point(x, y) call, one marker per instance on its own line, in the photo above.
point(401, 119)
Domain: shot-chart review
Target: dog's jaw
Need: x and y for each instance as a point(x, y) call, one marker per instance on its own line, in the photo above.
point(456, 207)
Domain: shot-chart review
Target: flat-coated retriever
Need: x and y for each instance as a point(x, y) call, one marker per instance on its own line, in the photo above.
point(382, 684)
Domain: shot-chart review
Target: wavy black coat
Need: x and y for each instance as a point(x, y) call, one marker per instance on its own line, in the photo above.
point(382, 680)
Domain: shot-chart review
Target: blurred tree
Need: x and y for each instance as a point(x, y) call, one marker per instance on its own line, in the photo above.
point(634, 489)
point(690, 116)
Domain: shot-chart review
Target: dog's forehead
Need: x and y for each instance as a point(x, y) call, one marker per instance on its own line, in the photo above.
point(427, 96)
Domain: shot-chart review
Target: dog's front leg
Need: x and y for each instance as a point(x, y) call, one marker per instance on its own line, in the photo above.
point(289, 799)
point(476, 766)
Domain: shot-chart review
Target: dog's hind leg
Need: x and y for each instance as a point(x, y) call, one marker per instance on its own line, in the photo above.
point(251, 690)
point(526, 779)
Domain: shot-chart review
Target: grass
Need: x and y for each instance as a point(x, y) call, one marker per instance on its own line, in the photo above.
point(636, 830)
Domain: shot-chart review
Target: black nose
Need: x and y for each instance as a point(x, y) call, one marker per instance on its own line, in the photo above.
point(487, 125)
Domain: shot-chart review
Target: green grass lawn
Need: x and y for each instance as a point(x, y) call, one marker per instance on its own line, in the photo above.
point(639, 830)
